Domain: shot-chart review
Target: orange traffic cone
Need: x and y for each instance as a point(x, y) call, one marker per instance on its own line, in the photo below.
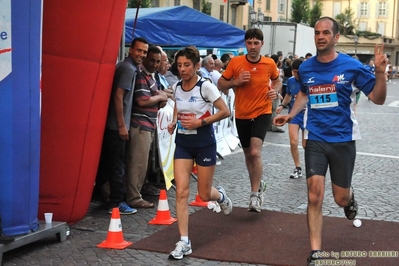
point(115, 236)
point(198, 202)
point(163, 213)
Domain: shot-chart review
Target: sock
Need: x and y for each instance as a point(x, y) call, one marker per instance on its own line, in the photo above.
point(351, 199)
point(185, 239)
point(254, 194)
point(221, 199)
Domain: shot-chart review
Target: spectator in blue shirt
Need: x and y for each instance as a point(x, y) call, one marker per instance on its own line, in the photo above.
point(370, 67)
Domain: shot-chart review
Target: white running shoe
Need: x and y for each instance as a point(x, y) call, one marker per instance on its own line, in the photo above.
point(262, 189)
point(182, 249)
point(254, 204)
point(297, 173)
point(226, 205)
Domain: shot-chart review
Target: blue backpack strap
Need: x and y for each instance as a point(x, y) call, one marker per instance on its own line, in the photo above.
point(199, 83)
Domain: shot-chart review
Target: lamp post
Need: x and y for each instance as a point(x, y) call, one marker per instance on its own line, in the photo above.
point(356, 39)
point(252, 16)
point(260, 16)
point(255, 17)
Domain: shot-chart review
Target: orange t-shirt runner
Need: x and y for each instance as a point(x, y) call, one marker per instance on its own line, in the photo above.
point(251, 98)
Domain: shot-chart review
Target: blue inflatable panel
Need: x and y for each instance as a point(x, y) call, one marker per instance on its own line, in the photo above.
point(20, 49)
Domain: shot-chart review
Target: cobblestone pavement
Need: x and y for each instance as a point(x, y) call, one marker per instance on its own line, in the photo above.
point(375, 182)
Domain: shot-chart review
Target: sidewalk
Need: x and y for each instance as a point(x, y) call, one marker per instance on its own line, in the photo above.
point(375, 182)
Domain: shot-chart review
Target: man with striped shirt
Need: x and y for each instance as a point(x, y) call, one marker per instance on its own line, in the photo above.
point(147, 100)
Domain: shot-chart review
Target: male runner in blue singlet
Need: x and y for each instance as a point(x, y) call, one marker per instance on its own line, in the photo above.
point(329, 83)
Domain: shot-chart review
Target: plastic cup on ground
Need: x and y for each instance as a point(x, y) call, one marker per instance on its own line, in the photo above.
point(48, 216)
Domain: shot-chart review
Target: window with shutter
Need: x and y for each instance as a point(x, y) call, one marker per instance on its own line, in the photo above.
point(267, 5)
point(386, 9)
point(267, 18)
point(364, 9)
point(362, 26)
point(382, 9)
point(197, 5)
point(337, 8)
point(368, 10)
point(281, 5)
point(381, 28)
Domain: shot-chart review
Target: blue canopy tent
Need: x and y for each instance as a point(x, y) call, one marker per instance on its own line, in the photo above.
point(181, 26)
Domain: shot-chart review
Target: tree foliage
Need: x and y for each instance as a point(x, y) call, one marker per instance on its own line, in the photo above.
point(206, 7)
point(347, 23)
point(349, 26)
point(300, 11)
point(315, 13)
point(143, 3)
point(368, 35)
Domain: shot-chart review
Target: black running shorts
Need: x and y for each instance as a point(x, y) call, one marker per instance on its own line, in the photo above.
point(249, 128)
point(340, 157)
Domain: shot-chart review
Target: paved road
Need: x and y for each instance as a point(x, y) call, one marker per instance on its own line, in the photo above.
point(375, 181)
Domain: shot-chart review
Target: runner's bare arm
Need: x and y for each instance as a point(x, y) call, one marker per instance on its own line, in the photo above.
point(379, 93)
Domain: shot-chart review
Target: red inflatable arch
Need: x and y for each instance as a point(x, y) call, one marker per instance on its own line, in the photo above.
point(80, 48)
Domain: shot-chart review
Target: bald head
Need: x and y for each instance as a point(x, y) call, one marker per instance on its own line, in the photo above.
point(218, 65)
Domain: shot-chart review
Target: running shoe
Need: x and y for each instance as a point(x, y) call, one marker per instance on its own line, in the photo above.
point(262, 186)
point(254, 203)
point(226, 205)
point(124, 209)
point(351, 209)
point(313, 257)
point(262, 189)
point(182, 249)
point(297, 173)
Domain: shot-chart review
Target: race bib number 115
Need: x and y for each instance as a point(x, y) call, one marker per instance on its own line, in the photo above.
point(323, 96)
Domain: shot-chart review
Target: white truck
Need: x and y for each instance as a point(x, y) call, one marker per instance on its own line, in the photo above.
point(289, 37)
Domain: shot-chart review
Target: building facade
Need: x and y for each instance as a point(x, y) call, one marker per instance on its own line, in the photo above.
point(369, 16)
point(372, 16)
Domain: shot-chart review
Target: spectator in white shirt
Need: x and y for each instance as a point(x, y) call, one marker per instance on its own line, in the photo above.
point(207, 67)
